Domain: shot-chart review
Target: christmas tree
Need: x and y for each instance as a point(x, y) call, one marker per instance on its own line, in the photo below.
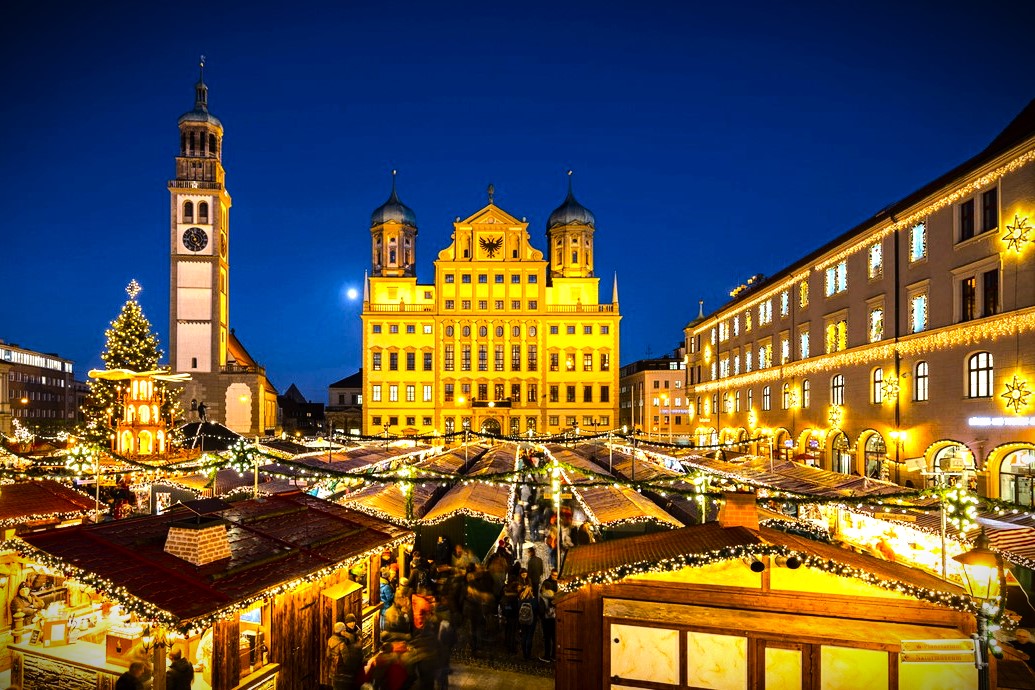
point(131, 345)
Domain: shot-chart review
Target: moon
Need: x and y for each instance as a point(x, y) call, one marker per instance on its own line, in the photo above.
point(352, 293)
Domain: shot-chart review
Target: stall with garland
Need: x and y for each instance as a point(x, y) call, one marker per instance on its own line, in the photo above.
point(732, 604)
point(249, 591)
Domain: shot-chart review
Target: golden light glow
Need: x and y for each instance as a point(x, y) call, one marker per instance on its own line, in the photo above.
point(1017, 394)
point(891, 388)
point(1016, 235)
point(835, 416)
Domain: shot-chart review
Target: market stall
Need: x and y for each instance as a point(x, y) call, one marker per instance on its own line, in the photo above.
point(248, 591)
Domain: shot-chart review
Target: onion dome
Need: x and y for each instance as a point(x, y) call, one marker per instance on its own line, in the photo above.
point(200, 112)
point(393, 210)
point(571, 212)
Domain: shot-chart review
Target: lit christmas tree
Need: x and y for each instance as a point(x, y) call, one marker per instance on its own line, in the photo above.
point(131, 345)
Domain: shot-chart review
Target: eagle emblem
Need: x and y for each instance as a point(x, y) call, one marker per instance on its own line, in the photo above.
point(491, 245)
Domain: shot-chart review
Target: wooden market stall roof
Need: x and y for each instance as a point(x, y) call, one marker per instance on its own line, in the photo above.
point(488, 501)
point(35, 500)
point(272, 541)
point(606, 505)
point(385, 498)
point(676, 547)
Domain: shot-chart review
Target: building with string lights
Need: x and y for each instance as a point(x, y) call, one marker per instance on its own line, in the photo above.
point(652, 400)
point(902, 349)
point(507, 339)
point(37, 390)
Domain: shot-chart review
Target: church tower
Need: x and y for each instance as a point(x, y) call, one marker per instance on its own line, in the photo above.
point(393, 236)
point(569, 235)
point(199, 242)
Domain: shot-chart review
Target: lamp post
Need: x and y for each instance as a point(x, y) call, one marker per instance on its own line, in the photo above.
point(982, 573)
point(467, 437)
point(386, 426)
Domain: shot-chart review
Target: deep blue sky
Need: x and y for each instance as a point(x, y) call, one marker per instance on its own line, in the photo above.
point(712, 141)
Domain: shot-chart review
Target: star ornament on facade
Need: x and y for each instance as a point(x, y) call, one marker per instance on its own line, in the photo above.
point(1016, 394)
point(1017, 234)
point(891, 388)
point(835, 416)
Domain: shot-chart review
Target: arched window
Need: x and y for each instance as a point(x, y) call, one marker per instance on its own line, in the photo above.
point(837, 390)
point(161, 441)
point(877, 386)
point(449, 331)
point(126, 443)
point(483, 331)
point(840, 457)
point(212, 144)
point(183, 143)
point(715, 403)
point(921, 376)
point(698, 406)
point(785, 396)
point(466, 331)
point(499, 331)
point(736, 399)
point(979, 375)
point(806, 394)
point(766, 402)
point(145, 446)
point(203, 212)
point(875, 453)
point(145, 414)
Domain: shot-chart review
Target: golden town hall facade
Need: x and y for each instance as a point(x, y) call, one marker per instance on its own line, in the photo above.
point(507, 340)
point(902, 347)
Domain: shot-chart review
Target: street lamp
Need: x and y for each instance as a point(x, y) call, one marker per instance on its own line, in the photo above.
point(386, 426)
point(467, 437)
point(981, 576)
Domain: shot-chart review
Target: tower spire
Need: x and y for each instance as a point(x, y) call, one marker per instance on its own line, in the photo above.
point(200, 90)
point(571, 191)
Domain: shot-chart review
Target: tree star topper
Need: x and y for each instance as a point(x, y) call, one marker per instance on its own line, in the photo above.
point(133, 289)
point(1017, 234)
point(1016, 394)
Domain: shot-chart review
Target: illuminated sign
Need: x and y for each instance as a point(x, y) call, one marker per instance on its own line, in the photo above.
point(1001, 421)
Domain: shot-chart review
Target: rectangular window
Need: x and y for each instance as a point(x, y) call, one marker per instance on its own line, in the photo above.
point(449, 277)
point(569, 362)
point(376, 328)
point(837, 336)
point(766, 399)
point(393, 393)
point(450, 304)
point(990, 285)
point(785, 349)
point(483, 278)
point(990, 210)
point(571, 330)
point(483, 358)
point(837, 278)
point(966, 220)
point(427, 361)
point(499, 358)
point(605, 394)
point(918, 242)
point(448, 358)
point(587, 330)
point(570, 394)
point(605, 329)
point(449, 393)
point(411, 329)
point(515, 278)
point(605, 361)
point(533, 361)
point(554, 420)
point(515, 392)
point(427, 393)
point(515, 358)
point(411, 393)
point(393, 361)
point(532, 390)
point(968, 299)
point(500, 390)
point(376, 363)
point(465, 304)
point(465, 358)
point(483, 304)
point(427, 329)
point(555, 394)
point(803, 343)
point(393, 329)
point(411, 361)
point(533, 305)
point(918, 313)
point(587, 394)
point(497, 277)
point(515, 304)
point(785, 303)
point(498, 305)
point(875, 265)
point(375, 393)
point(765, 312)
point(483, 391)
point(555, 361)
point(587, 362)
point(554, 330)
point(920, 392)
point(533, 278)
point(876, 324)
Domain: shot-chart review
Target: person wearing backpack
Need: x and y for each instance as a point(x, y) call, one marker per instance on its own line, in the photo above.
point(526, 612)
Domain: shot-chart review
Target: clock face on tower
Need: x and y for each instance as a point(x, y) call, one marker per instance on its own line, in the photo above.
point(195, 239)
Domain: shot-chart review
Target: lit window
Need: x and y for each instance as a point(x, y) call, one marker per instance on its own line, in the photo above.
point(766, 399)
point(875, 265)
point(979, 375)
point(803, 343)
point(785, 303)
point(876, 324)
point(918, 242)
point(785, 349)
point(803, 294)
point(918, 313)
point(877, 386)
point(806, 394)
point(375, 393)
point(837, 390)
point(921, 376)
point(837, 278)
point(765, 312)
point(837, 336)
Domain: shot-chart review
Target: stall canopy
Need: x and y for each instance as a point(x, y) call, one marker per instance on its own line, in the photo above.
point(489, 501)
point(605, 504)
point(40, 502)
point(272, 541)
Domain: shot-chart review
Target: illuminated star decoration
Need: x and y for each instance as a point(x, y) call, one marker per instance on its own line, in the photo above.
point(891, 388)
point(133, 289)
point(1017, 234)
point(835, 416)
point(1016, 394)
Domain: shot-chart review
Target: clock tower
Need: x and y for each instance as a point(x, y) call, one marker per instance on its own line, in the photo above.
point(199, 225)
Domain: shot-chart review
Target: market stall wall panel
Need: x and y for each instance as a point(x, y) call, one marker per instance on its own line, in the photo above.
point(226, 654)
point(580, 657)
point(39, 672)
point(295, 638)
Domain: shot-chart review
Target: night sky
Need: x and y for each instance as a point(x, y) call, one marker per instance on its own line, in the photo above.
point(712, 141)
